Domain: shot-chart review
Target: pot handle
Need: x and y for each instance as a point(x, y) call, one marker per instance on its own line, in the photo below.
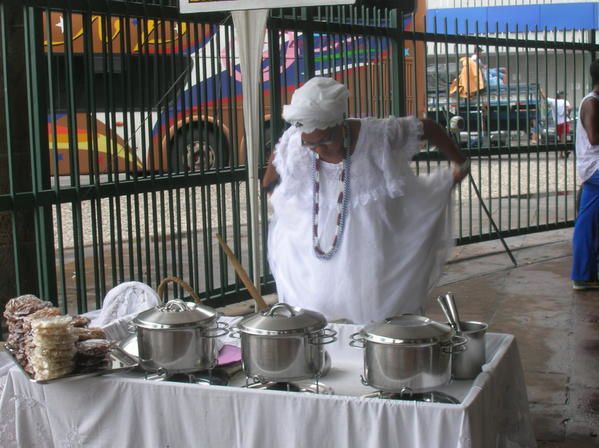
point(357, 341)
point(131, 328)
point(363, 381)
point(279, 306)
point(328, 336)
point(458, 345)
point(221, 329)
point(406, 392)
point(176, 303)
point(234, 333)
point(188, 289)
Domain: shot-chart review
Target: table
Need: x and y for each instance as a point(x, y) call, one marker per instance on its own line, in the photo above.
point(130, 411)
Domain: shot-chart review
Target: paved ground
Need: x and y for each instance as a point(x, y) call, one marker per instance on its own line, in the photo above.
point(557, 329)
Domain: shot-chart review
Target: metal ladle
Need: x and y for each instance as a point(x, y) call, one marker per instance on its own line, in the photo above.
point(447, 303)
point(453, 309)
point(443, 304)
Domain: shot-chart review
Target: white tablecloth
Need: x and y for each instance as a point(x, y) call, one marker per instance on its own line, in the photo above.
point(128, 411)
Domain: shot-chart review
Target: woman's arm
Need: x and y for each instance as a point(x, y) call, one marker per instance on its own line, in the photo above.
point(271, 177)
point(589, 115)
point(437, 136)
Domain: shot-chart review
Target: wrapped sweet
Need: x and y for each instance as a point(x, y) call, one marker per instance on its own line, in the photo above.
point(53, 342)
point(92, 354)
point(15, 312)
point(80, 321)
point(43, 341)
point(85, 334)
point(23, 306)
point(50, 374)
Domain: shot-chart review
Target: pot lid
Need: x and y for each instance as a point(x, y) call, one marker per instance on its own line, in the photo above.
point(406, 329)
point(283, 319)
point(176, 314)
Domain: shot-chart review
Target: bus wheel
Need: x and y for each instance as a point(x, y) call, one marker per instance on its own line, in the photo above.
point(194, 150)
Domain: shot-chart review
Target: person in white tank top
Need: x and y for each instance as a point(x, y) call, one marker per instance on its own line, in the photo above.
point(585, 242)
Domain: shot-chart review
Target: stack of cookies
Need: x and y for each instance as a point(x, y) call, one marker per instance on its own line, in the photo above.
point(92, 355)
point(15, 312)
point(53, 351)
point(49, 345)
point(29, 345)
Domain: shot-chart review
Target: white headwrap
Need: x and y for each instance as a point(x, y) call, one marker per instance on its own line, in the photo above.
point(320, 103)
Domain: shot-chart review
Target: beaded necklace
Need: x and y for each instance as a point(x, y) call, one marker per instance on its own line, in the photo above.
point(342, 199)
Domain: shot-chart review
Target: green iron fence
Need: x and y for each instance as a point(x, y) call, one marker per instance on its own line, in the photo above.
point(524, 167)
point(123, 148)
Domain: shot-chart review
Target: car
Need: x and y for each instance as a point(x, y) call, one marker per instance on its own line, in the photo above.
point(548, 131)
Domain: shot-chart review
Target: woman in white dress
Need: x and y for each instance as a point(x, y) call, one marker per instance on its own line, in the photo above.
point(355, 234)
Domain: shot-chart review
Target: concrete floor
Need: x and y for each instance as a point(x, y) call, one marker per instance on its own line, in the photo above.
point(557, 329)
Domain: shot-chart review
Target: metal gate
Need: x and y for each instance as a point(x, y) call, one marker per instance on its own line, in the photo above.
point(123, 148)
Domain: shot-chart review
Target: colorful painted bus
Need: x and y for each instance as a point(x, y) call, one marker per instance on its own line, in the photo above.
point(138, 94)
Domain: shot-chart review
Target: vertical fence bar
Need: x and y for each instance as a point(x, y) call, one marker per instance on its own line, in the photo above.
point(480, 122)
point(52, 118)
point(540, 129)
point(509, 128)
point(518, 117)
point(487, 124)
point(560, 146)
point(80, 270)
point(12, 45)
point(92, 150)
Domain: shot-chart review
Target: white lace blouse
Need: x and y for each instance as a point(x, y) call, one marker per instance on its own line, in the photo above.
point(397, 229)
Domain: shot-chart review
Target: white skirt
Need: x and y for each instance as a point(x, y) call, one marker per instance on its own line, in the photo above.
point(390, 257)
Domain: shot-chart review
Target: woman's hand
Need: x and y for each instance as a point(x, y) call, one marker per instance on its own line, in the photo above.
point(271, 177)
point(460, 171)
point(437, 136)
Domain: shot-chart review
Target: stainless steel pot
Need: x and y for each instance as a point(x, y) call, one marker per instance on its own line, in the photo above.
point(407, 352)
point(284, 343)
point(178, 337)
point(467, 364)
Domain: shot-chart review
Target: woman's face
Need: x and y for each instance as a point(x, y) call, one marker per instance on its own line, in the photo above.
point(324, 142)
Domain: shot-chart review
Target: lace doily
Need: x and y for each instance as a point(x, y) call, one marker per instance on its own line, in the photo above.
point(124, 300)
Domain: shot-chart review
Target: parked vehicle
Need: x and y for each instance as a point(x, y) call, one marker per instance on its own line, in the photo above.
point(548, 130)
point(490, 116)
point(162, 95)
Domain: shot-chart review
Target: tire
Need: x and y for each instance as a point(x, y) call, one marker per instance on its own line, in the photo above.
point(188, 153)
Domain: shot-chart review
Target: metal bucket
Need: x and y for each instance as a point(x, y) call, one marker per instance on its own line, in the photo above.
point(467, 364)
